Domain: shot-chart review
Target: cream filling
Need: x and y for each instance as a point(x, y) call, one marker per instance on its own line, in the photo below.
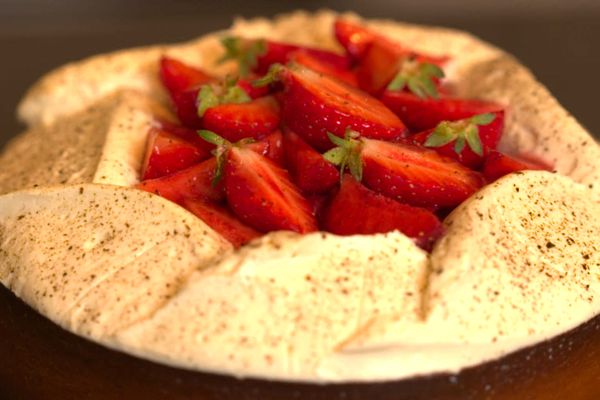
point(364, 314)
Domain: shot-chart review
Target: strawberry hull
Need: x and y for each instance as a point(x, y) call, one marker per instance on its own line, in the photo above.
point(314, 104)
point(489, 135)
point(381, 62)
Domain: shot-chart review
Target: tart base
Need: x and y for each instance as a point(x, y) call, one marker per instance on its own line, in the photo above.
point(43, 361)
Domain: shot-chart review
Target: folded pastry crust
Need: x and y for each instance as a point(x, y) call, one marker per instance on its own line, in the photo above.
point(519, 262)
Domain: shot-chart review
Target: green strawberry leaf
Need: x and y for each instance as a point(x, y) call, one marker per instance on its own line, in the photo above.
point(416, 88)
point(220, 152)
point(355, 165)
point(483, 119)
point(418, 77)
point(229, 93)
point(441, 136)
point(236, 95)
point(271, 76)
point(347, 153)
point(335, 155)
point(432, 70)
point(245, 52)
point(398, 83)
point(463, 132)
point(213, 138)
point(232, 48)
point(459, 145)
point(206, 99)
point(338, 141)
point(473, 140)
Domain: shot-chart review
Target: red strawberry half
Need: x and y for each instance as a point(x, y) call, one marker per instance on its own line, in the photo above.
point(234, 122)
point(444, 137)
point(405, 172)
point(259, 191)
point(261, 194)
point(271, 147)
point(258, 55)
point(314, 104)
point(312, 62)
point(183, 82)
point(499, 164)
point(177, 76)
point(311, 172)
point(191, 183)
point(357, 39)
point(417, 176)
point(221, 220)
point(384, 60)
point(186, 107)
point(420, 114)
point(358, 210)
point(187, 134)
point(167, 153)
point(354, 37)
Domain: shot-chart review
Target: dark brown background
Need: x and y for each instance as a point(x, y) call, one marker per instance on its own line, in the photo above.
point(557, 39)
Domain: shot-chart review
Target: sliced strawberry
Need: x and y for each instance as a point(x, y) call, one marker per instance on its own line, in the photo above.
point(498, 164)
point(420, 114)
point(270, 147)
point(317, 203)
point(314, 104)
point(378, 66)
point(261, 194)
point(312, 62)
point(489, 136)
point(234, 122)
point(384, 59)
point(354, 210)
point(357, 39)
point(191, 183)
point(183, 83)
point(258, 55)
point(186, 107)
point(311, 172)
point(190, 135)
point(417, 176)
point(167, 153)
point(177, 76)
point(354, 37)
point(221, 220)
point(280, 53)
